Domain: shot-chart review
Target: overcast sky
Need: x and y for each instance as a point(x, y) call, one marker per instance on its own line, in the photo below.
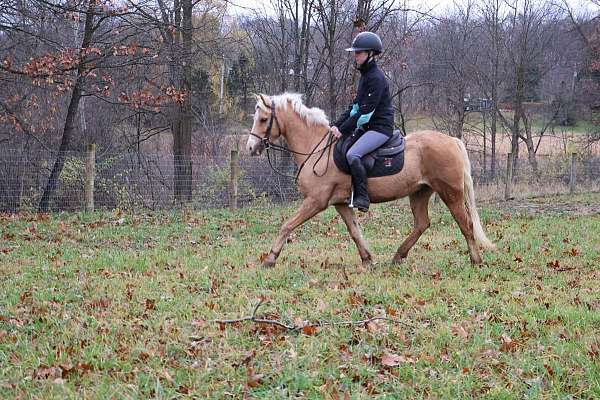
point(438, 6)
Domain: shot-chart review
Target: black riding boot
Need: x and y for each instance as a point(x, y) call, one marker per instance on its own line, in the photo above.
point(360, 198)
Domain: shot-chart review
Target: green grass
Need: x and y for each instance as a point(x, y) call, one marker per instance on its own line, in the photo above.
point(120, 306)
point(474, 121)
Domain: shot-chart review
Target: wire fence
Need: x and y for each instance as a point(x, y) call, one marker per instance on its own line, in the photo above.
point(137, 181)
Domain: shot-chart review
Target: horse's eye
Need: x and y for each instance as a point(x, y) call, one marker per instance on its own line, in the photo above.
point(263, 120)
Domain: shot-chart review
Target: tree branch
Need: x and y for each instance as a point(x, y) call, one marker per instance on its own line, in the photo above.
point(253, 318)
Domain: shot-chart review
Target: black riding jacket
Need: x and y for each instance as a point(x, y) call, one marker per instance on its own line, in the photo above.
point(372, 107)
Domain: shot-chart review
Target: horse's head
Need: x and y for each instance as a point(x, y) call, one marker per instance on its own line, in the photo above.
point(265, 128)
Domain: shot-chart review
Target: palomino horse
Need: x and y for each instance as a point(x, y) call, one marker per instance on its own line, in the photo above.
point(433, 162)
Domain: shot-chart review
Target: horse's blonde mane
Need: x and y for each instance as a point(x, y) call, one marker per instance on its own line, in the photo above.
point(312, 116)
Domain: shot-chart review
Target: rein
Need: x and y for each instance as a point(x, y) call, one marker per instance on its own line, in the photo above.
point(268, 145)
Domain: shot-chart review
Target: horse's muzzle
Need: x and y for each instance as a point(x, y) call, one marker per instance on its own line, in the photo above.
point(258, 150)
point(255, 146)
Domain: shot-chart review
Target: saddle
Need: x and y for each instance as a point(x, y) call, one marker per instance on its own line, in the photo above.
point(385, 160)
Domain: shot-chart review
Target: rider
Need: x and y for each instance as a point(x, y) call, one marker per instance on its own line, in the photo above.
point(371, 112)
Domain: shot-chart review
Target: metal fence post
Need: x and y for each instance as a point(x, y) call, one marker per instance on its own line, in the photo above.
point(233, 181)
point(572, 173)
point(90, 171)
point(509, 174)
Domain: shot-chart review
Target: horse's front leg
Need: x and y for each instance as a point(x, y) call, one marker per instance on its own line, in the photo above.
point(308, 209)
point(350, 220)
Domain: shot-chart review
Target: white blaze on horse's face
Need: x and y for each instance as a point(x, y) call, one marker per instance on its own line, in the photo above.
point(259, 128)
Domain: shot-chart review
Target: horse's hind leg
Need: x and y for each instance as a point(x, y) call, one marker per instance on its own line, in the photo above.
point(456, 205)
point(419, 203)
point(308, 209)
point(350, 220)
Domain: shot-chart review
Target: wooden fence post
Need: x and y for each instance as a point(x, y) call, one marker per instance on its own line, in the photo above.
point(572, 173)
point(233, 181)
point(509, 174)
point(90, 171)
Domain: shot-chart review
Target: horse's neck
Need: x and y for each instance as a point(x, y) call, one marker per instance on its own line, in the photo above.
point(301, 137)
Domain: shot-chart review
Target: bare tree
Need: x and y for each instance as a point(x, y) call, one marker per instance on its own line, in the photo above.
point(586, 74)
point(451, 57)
point(402, 62)
point(531, 28)
point(489, 70)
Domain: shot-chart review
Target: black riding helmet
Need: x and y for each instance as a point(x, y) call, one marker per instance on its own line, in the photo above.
point(366, 41)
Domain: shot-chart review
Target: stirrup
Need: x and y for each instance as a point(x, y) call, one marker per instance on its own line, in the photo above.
point(350, 202)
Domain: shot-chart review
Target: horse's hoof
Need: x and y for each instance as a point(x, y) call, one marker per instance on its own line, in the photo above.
point(397, 260)
point(367, 263)
point(269, 261)
point(476, 262)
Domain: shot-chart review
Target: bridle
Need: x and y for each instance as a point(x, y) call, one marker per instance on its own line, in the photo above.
point(265, 140)
point(267, 145)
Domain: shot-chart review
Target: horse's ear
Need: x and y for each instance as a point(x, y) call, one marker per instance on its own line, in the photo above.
point(265, 100)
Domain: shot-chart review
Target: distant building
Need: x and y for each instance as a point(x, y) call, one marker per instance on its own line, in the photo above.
point(477, 105)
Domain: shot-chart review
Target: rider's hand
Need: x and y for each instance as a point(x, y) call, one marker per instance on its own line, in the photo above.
point(336, 132)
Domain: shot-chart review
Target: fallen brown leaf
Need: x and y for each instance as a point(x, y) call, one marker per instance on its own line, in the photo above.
point(390, 311)
point(254, 380)
point(183, 390)
point(460, 331)
point(376, 326)
point(393, 360)
point(45, 372)
point(199, 323)
point(356, 299)
point(594, 351)
point(507, 344)
point(150, 305)
point(309, 330)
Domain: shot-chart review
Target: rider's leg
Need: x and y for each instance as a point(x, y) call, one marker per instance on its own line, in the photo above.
point(369, 141)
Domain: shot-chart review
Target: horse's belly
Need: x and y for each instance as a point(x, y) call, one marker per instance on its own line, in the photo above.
point(390, 188)
point(396, 186)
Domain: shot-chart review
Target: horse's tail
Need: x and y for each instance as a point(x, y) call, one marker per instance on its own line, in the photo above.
point(480, 236)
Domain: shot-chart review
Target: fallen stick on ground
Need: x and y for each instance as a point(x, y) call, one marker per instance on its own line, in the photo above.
point(253, 318)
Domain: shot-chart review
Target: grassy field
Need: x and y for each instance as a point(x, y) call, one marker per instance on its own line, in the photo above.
point(474, 121)
point(119, 306)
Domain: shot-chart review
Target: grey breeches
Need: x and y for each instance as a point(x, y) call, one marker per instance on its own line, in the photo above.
point(369, 141)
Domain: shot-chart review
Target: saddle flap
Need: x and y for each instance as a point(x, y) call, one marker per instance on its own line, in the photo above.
point(392, 147)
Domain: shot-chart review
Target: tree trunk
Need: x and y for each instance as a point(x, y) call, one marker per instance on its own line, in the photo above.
point(182, 127)
point(517, 113)
point(69, 126)
point(331, 86)
point(460, 118)
point(298, 45)
point(514, 148)
point(331, 60)
point(307, 16)
point(493, 128)
point(530, 145)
